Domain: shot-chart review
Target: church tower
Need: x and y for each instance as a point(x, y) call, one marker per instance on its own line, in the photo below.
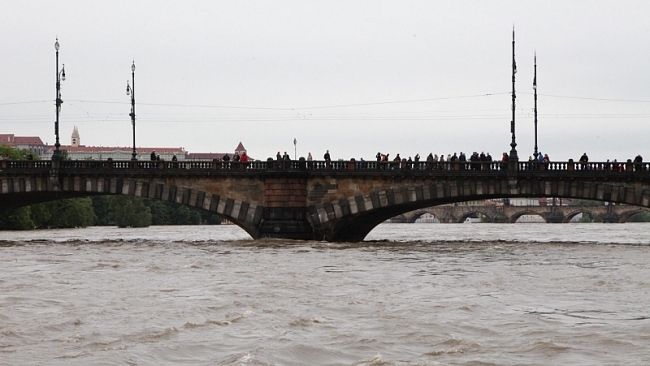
point(240, 149)
point(76, 141)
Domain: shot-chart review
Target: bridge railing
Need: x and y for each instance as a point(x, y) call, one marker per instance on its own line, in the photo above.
point(25, 164)
point(595, 167)
point(389, 167)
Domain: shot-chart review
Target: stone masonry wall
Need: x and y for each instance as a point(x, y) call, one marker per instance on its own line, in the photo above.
point(244, 189)
point(285, 192)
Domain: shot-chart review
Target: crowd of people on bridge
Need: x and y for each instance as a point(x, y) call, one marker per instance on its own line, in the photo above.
point(476, 161)
point(456, 161)
point(634, 165)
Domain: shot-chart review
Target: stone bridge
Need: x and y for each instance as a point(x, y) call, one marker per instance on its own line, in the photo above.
point(510, 214)
point(333, 201)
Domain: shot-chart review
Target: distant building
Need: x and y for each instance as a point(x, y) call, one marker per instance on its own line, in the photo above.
point(31, 143)
point(77, 151)
point(240, 149)
point(76, 140)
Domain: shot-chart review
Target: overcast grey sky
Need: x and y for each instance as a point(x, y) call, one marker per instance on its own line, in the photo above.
point(354, 77)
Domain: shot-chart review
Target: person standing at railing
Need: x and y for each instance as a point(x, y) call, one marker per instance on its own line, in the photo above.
point(287, 160)
point(328, 159)
point(244, 159)
point(474, 160)
point(226, 161)
point(430, 161)
point(454, 161)
point(396, 162)
point(310, 165)
point(153, 155)
point(278, 159)
point(638, 163)
point(236, 158)
point(584, 159)
point(546, 161)
point(504, 161)
point(540, 159)
point(478, 162)
point(462, 158)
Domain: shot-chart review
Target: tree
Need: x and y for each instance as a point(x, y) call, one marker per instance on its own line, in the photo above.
point(41, 215)
point(101, 207)
point(210, 218)
point(640, 217)
point(159, 212)
point(15, 154)
point(17, 219)
point(130, 212)
point(76, 212)
point(70, 213)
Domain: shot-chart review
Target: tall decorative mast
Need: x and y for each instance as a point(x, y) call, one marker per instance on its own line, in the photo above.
point(536, 153)
point(513, 144)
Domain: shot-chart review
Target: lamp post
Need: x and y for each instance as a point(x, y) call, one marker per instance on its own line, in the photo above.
point(295, 154)
point(60, 76)
point(536, 153)
point(513, 144)
point(130, 90)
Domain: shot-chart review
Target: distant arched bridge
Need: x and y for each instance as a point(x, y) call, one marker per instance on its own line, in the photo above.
point(333, 201)
point(510, 214)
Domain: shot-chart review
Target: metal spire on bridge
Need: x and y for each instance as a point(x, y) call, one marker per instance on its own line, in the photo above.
point(513, 144)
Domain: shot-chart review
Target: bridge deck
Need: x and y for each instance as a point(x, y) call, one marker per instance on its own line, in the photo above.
point(350, 167)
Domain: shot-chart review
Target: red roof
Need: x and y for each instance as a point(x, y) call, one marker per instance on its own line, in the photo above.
point(6, 138)
point(12, 140)
point(28, 140)
point(205, 156)
point(141, 150)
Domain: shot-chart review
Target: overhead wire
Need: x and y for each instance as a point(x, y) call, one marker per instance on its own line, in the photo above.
point(429, 115)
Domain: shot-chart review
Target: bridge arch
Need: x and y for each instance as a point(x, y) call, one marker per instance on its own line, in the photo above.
point(517, 215)
point(475, 212)
point(573, 213)
point(353, 217)
point(625, 216)
point(244, 214)
point(417, 214)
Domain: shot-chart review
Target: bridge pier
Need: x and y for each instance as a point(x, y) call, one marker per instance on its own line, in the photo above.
point(285, 223)
point(611, 218)
point(285, 215)
point(554, 218)
point(500, 219)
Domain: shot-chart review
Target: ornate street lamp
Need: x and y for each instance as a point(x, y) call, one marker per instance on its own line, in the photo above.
point(130, 90)
point(513, 144)
point(60, 76)
point(536, 153)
